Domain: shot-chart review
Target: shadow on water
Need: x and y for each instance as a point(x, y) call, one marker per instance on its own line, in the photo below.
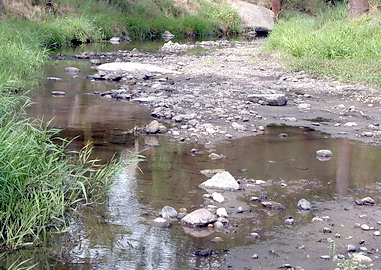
point(118, 234)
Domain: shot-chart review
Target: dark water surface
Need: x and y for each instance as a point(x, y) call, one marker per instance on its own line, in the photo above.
point(118, 234)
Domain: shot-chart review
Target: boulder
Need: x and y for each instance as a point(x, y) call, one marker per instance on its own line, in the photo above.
point(168, 212)
point(253, 16)
point(134, 67)
point(223, 181)
point(198, 218)
point(268, 99)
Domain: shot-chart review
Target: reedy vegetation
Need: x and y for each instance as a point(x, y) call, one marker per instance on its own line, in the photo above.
point(331, 44)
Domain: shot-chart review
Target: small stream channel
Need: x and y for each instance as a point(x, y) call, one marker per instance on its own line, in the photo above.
point(119, 235)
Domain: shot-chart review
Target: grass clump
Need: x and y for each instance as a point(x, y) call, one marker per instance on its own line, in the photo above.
point(331, 44)
point(39, 182)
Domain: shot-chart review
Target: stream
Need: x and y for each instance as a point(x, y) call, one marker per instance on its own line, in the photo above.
point(119, 233)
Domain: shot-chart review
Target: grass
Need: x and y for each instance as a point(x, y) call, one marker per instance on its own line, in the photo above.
point(331, 44)
point(40, 182)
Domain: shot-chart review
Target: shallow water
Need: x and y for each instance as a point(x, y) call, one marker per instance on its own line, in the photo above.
point(118, 234)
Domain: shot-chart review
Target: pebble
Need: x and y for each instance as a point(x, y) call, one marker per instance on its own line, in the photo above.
point(217, 240)
point(253, 236)
point(327, 230)
point(255, 256)
point(218, 225)
point(377, 233)
point(365, 227)
point(240, 210)
point(351, 248)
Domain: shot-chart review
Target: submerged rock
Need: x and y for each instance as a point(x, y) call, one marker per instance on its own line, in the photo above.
point(198, 218)
point(168, 212)
point(161, 223)
point(221, 181)
point(72, 70)
point(273, 205)
point(58, 93)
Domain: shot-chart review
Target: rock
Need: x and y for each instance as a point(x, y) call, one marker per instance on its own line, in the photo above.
point(115, 40)
point(289, 221)
point(239, 210)
point(72, 70)
point(198, 218)
point(134, 67)
point(260, 182)
point(161, 223)
point(255, 199)
point(218, 225)
point(210, 173)
point(168, 212)
point(366, 201)
point(351, 248)
point(215, 156)
point(223, 220)
point(285, 266)
point(217, 240)
point(268, 99)
point(350, 124)
point(361, 258)
point(365, 227)
point(377, 233)
point(254, 17)
point(327, 230)
point(167, 35)
point(253, 236)
point(218, 197)
point(304, 106)
point(255, 256)
point(221, 181)
point(153, 127)
point(325, 257)
point(53, 79)
point(324, 153)
point(221, 212)
point(303, 204)
point(273, 205)
point(58, 93)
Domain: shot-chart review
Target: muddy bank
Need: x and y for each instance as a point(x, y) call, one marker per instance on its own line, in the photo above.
point(233, 89)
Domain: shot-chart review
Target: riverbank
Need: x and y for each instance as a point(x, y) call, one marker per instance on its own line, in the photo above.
point(238, 90)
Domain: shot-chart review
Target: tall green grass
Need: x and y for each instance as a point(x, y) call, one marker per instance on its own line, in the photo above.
point(39, 181)
point(332, 44)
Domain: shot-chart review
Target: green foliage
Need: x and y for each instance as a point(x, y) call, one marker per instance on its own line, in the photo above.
point(331, 44)
point(39, 182)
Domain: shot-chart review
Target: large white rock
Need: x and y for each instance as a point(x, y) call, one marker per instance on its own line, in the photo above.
point(198, 218)
point(134, 67)
point(254, 16)
point(221, 181)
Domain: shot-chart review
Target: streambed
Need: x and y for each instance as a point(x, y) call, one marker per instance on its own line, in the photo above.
point(119, 234)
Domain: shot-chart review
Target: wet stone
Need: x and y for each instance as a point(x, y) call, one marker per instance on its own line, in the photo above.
point(198, 218)
point(324, 153)
point(168, 212)
point(273, 205)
